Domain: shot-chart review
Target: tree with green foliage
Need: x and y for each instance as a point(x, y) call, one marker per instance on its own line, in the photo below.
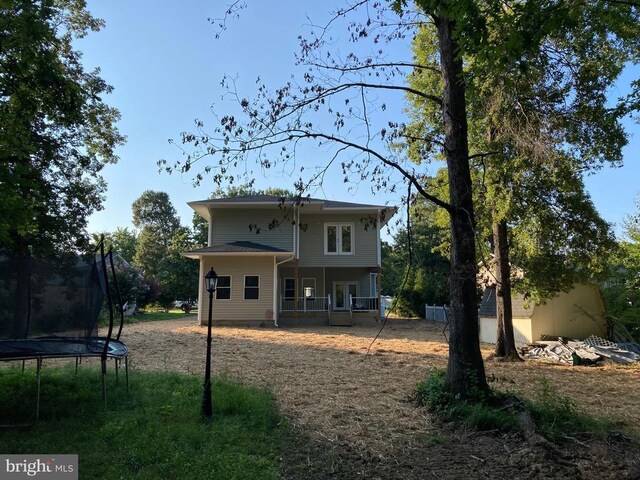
point(200, 228)
point(156, 217)
point(160, 245)
point(415, 269)
point(177, 275)
point(492, 37)
point(123, 242)
point(534, 130)
point(154, 211)
point(248, 189)
point(56, 132)
point(621, 290)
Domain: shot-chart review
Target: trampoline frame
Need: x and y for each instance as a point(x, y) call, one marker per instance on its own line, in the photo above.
point(96, 346)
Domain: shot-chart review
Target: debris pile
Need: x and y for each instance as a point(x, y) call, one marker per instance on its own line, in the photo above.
point(587, 352)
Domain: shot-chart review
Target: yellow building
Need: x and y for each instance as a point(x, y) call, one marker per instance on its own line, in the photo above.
point(574, 314)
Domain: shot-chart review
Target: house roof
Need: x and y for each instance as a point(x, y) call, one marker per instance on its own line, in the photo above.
point(308, 205)
point(488, 305)
point(236, 248)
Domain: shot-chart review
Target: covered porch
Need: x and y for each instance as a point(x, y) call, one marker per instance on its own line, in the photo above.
point(321, 294)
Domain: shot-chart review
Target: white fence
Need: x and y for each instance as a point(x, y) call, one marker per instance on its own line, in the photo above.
point(437, 313)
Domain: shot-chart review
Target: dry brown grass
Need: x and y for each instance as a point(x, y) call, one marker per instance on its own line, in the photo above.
point(329, 381)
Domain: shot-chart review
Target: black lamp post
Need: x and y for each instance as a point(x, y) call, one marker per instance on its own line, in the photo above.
point(210, 283)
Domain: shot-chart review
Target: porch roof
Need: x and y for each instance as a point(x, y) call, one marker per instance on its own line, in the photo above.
point(236, 248)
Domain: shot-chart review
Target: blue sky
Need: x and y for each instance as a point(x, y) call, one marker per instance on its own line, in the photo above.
point(165, 65)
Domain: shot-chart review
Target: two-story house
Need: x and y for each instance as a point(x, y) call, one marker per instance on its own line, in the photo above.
point(283, 263)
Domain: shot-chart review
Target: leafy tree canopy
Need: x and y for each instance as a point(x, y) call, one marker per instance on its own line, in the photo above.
point(56, 132)
point(155, 212)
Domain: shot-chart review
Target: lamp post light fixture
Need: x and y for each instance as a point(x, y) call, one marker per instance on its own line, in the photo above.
point(210, 283)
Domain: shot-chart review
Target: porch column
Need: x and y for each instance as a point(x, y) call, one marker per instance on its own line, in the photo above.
point(275, 291)
point(378, 283)
point(296, 288)
point(201, 291)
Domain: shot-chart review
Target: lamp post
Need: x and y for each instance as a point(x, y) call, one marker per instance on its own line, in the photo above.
point(210, 282)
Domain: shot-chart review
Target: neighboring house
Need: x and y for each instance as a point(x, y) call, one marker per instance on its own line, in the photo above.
point(574, 314)
point(318, 261)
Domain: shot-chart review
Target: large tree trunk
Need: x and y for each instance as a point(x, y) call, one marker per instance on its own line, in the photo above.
point(505, 343)
point(465, 372)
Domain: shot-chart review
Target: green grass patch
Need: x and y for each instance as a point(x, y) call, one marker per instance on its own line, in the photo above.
point(154, 432)
point(151, 316)
point(553, 415)
point(148, 316)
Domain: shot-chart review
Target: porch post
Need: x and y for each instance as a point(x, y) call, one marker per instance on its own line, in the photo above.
point(295, 288)
point(201, 291)
point(378, 282)
point(275, 291)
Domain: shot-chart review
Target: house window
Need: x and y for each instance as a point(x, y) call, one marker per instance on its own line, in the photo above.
point(289, 288)
point(223, 290)
point(338, 239)
point(251, 287)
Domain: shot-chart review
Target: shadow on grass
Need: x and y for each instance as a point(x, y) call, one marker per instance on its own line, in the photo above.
point(154, 432)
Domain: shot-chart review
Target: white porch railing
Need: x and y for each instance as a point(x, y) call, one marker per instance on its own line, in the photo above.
point(324, 304)
point(304, 304)
point(363, 304)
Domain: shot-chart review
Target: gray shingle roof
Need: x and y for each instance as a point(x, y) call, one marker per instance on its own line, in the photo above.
point(275, 200)
point(237, 247)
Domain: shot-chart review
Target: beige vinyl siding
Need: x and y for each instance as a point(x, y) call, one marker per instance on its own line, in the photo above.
point(521, 330)
point(232, 225)
point(312, 242)
point(237, 308)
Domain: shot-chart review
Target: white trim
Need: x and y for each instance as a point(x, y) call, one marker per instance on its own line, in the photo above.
point(234, 254)
point(373, 282)
point(200, 290)
point(339, 226)
point(274, 307)
point(346, 284)
point(230, 289)
point(210, 229)
point(244, 289)
point(378, 246)
point(295, 233)
point(298, 233)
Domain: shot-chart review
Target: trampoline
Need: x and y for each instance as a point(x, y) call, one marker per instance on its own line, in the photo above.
point(50, 308)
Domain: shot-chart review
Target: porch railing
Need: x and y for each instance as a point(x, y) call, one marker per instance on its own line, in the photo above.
point(363, 304)
point(304, 304)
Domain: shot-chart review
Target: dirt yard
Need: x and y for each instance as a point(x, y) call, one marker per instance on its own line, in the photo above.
point(351, 400)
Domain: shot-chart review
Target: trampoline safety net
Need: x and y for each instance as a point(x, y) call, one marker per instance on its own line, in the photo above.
point(59, 297)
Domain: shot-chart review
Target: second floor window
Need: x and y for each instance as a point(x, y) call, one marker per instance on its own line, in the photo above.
point(223, 290)
point(338, 239)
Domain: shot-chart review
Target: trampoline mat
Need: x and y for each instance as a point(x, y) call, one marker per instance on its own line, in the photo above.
point(59, 347)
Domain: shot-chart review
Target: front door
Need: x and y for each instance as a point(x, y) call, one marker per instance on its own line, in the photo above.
point(341, 292)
